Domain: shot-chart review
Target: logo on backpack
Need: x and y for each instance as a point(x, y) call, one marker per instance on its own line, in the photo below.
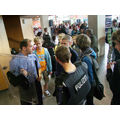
point(81, 83)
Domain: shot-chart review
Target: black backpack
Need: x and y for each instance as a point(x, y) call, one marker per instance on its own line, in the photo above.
point(99, 88)
point(78, 88)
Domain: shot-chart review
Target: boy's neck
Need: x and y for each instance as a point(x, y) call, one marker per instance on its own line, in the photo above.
point(69, 67)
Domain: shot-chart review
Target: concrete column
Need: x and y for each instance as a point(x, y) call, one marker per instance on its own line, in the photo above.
point(44, 23)
point(27, 29)
point(97, 23)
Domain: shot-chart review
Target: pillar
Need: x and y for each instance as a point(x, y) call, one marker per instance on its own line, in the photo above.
point(27, 27)
point(97, 23)
point(44, 23)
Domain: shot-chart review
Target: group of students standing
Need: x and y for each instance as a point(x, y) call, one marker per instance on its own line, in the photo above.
point(65, 58)
point(65, 61)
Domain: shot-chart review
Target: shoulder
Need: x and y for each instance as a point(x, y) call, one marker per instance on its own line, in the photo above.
point(73, 51)
point(33, 56)
point(86, 58)
point(45, 49)
point(34, 52)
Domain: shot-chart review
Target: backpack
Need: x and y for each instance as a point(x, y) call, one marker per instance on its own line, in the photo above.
point(81, 86)
point(99, 88)
point(78, 89)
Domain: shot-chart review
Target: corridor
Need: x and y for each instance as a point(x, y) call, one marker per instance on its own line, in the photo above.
point(11, 96)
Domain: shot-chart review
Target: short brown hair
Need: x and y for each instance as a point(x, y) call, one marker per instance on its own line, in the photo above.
point(83, 41)
point(24, 43)
point(116, 36)
point(63, 54)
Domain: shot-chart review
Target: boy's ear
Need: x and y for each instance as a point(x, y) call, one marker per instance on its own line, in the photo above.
point(57, 60)
point(24, 48)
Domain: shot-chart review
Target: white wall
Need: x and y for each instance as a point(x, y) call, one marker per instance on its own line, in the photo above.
point(44, 22)
point(92, 23)
point(4, 45)
point(97, 23)
point(101, 34)
point(4, 59)
point(27, 30)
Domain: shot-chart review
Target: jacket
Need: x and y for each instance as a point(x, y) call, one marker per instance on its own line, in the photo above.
point(86, 59)
point(47, 58)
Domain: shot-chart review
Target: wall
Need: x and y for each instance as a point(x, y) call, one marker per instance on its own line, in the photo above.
point(44, 22)
point(4, 45)
point(13, 30)
point(92, 23)
point(97, 23)
point(4, 59)
point(101, 34)
point(27, 30)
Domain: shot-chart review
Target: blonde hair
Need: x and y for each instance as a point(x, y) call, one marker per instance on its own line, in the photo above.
point(61, 35)
point(67, 37)
point(38, 39)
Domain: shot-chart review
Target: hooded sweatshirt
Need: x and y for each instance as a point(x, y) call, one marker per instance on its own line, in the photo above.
point(86, 59)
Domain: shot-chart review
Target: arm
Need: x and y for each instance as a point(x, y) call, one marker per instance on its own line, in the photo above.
point(74, 56)
point(113, 78)
point(90, 71)
point(48, 60)
point(14, 67)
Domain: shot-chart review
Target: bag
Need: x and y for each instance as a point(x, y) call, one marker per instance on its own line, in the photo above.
point(77, 87)
point(12, 79)
point(99, 88)
point(19, 80)
point(99, 91)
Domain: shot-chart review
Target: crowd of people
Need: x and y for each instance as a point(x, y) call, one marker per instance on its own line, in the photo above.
point(70, 63)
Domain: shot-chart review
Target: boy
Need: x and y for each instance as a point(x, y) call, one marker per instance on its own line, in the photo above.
point(45, 62)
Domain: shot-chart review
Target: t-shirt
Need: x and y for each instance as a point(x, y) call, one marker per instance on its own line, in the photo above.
point(41, 58)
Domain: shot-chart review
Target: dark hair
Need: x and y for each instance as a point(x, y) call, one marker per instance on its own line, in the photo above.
point(39, 34)
point(24, 43)
point(45, 29)
point(53, 37)
point(63, 54)
point(114, 21)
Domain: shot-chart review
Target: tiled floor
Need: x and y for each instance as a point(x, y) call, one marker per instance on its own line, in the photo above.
point(11, 96)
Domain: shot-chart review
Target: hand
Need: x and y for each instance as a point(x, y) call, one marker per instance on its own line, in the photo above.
point(39, 78)
point(24, 72)
point(110, 64)
point(50, 73)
